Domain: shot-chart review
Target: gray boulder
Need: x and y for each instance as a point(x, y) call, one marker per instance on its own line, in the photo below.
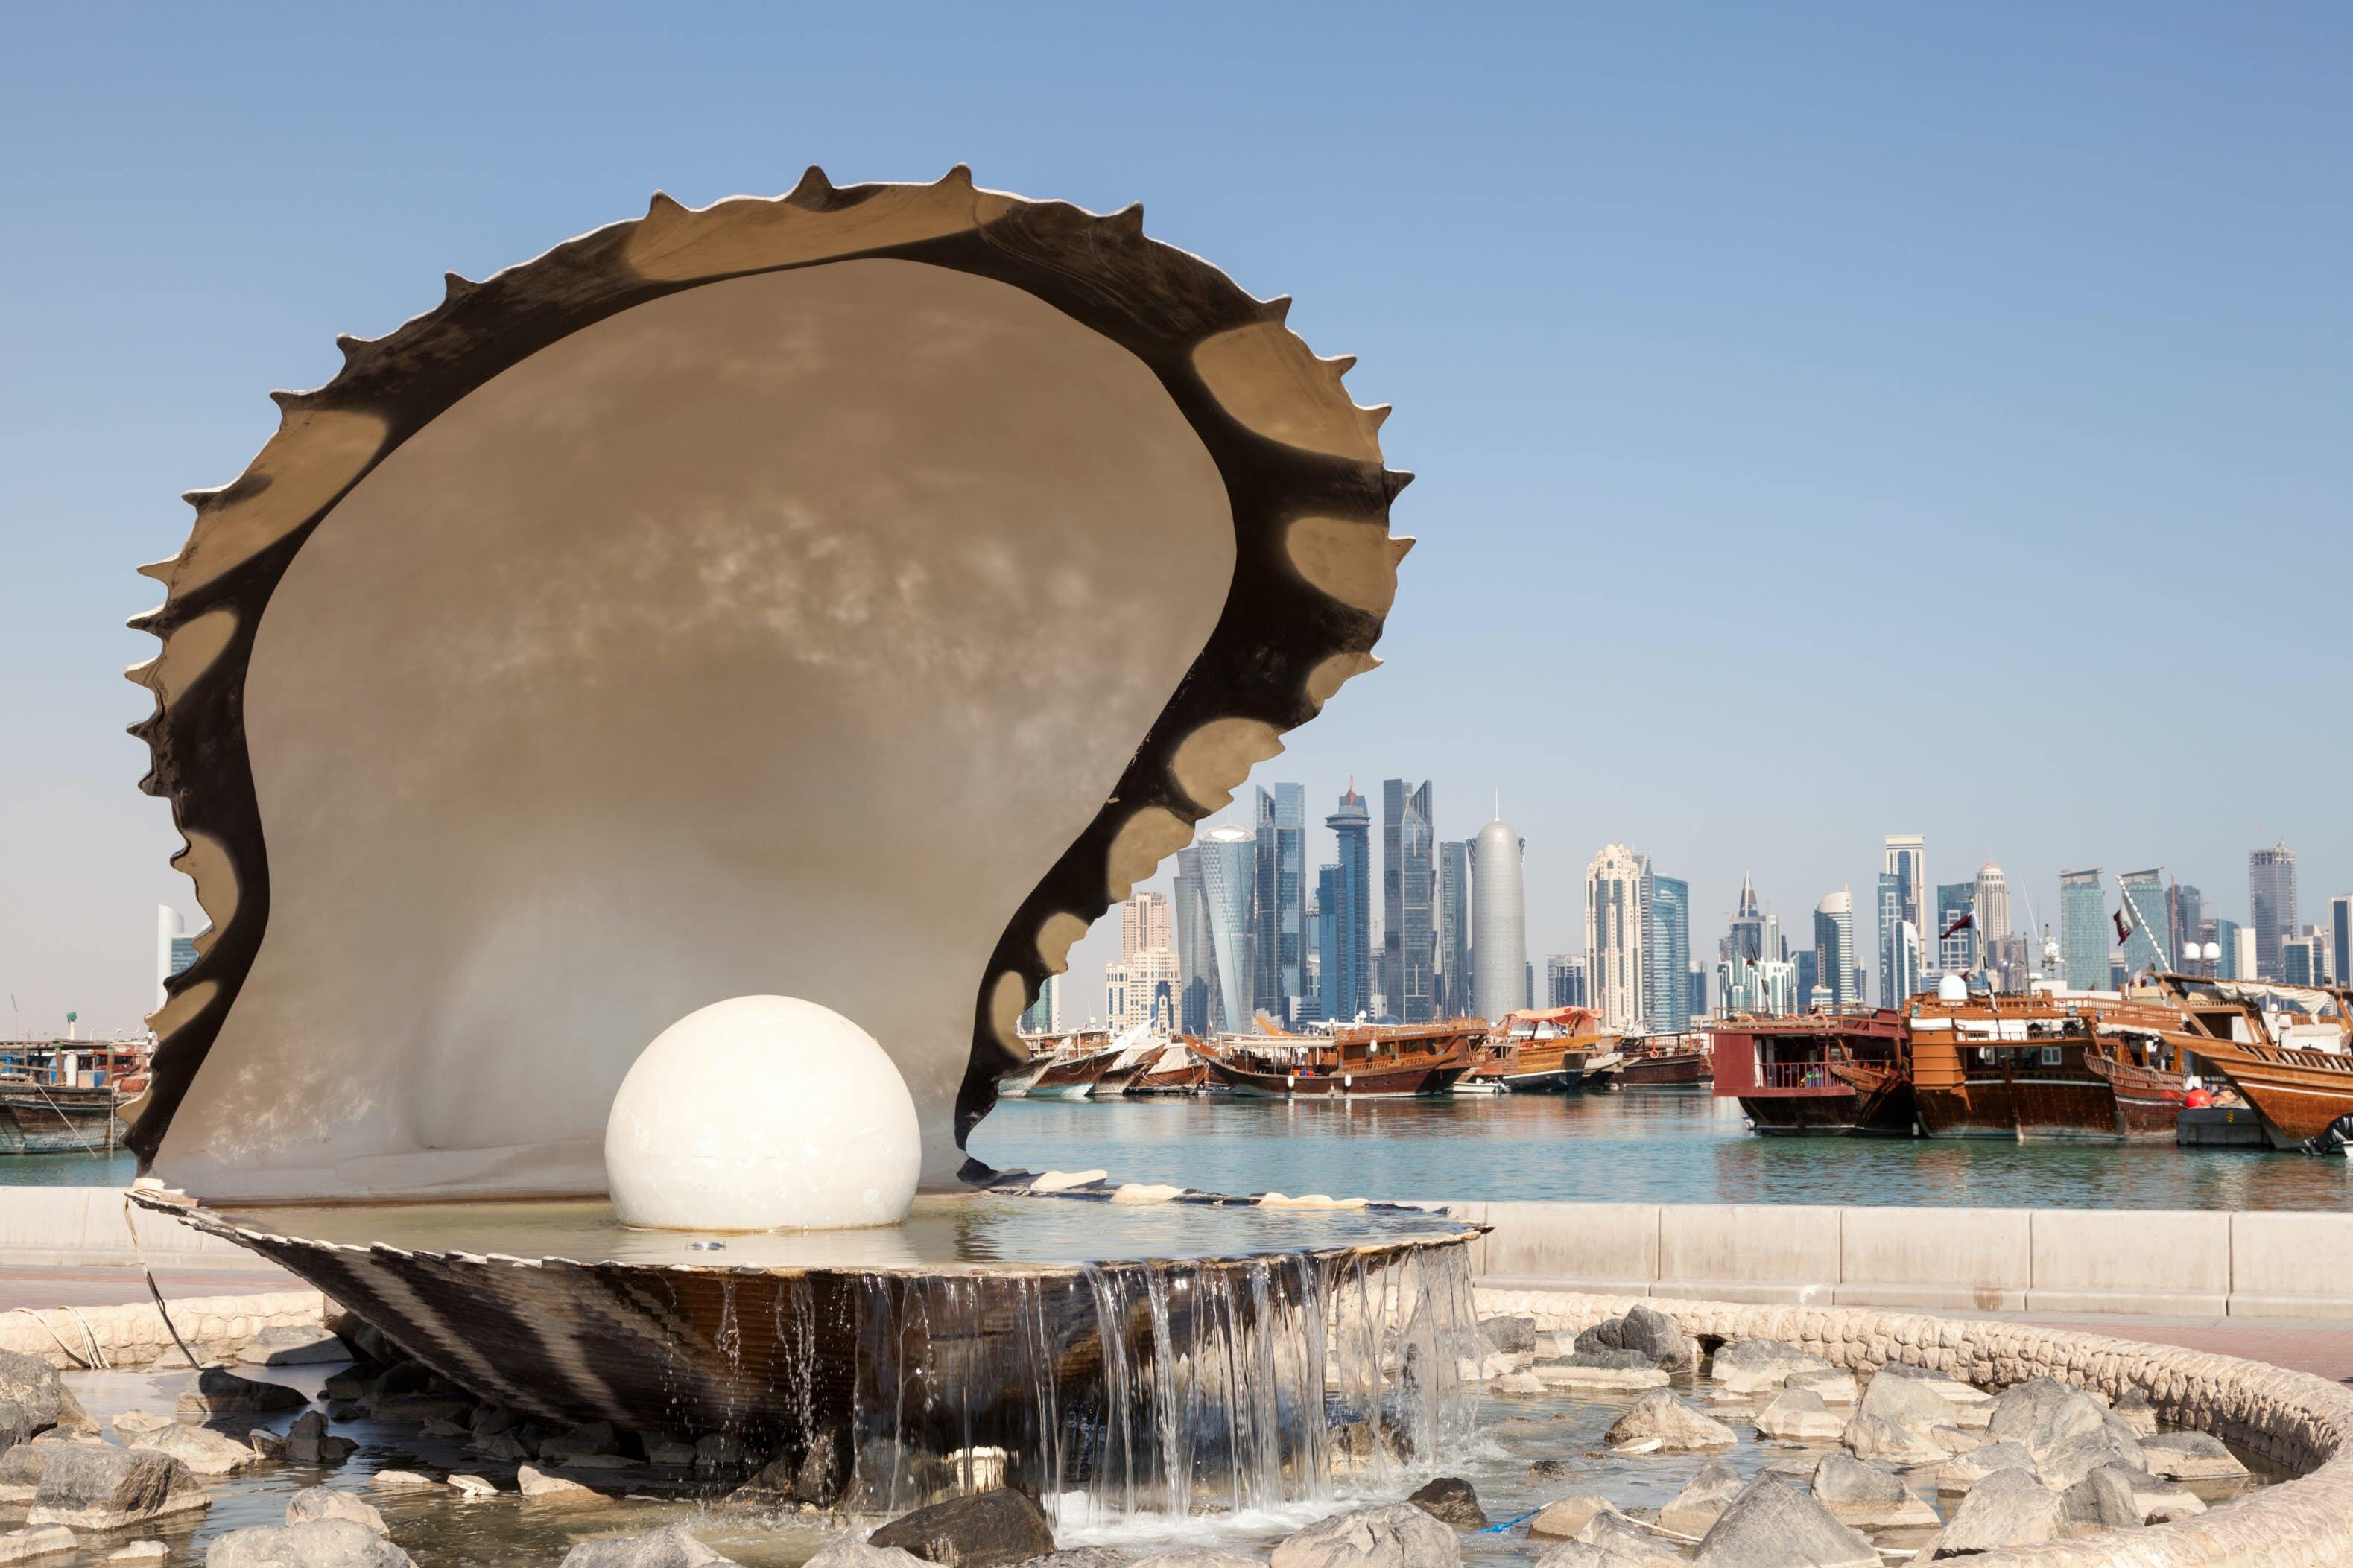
point(1750, 1367)
point(670, 1547)
point(20, 1471)
point(315, 1543)
point(1694, 1509)
point(1773, 1521)
point(1903, 1401)
point(1571, 1554)
point(1799, 1416)
point(202, 1449)
point(1962, 1471)
point(982, 1531)
point(39, 1542)
point(2117, 1496)
point(217, 1391)
point(1177, 1557)
point(1869, 1437)
point(96, 1486)
point(325, 1503)
point(292, 1345)
point(853, 1552)
point(2040, 1414)
point(1513, 1336)
point(2008, 1508)
point(1450, 1499)
point(1625, 1545)
point(1561, 1521)
point(36, 1389)
point(2069, 1462)
point(1644, 1331)
point(1397, 1536)
point(2133, 1409)
point(1659, 1418)
point(1870, 1496)
point(2190, 1456)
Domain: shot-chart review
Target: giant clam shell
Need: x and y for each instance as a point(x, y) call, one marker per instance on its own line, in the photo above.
point(847, 595)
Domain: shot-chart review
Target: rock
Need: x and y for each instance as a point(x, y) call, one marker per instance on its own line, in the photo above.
point(202, 1449)
point(292, 1345)
point(404, 1377)
point(1773, 1521)
point(356, 1382)
point(401, 1482)
point(1451, 1501)
point(219, 1391)
point(1870, 1496)
point(1600, 1370)
point(133, 1425)
point(2136, 1411)
point(851, 1553)
point(2117, 1494)
point(1869, 1437)
point(268, 1444)
point(594, 1437)
point(1799, 1416)
point(2008, 1508)
point(1180, 1557)
point(20, 1471)
point(315, 1543)
point(2040, 1414)
point(325, 1503)
point(140, 1551)
point(1944, 1383)
point(1962, 1471)
point(538, 1485)
point(1550, 1470)
point(1750, 1367)
point(96, 1486)
point(475, 1486)
point(2080, 1455)
point(1646, 1332)
point(983, 1530)
point(1513, 1336)
point(1694, 1509)
point(1625, 1545)
point(40, 1541)
point(2190, 1456)
point(1957, 1439)
point(1561, 1521)
point(669, 1547)
point(670, 1454)
point(506, 1445)
point(1518, 1383)
point(1907, 1402)
point(717, 1452)
point(437, 1427)
point(1397, 1536)
point(1572, 1555)
point(35, 1387)
point(1830, 1384)
point(1103, 1557)
point(1659, 1417)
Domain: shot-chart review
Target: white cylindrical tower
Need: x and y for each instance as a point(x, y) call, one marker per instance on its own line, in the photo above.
point(1499, 923)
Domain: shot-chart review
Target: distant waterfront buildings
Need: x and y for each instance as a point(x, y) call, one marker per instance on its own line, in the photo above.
point(2184, 922)
point(1408, 937)
point(1144, 925)
point(1565, 981)
point(1807, 964)
point(2270, 905)
point(1142, 989)
point(1453, 954)
point(1615, 921)
point(174, 949)
point(1834, 966)
point(2224, 934)
point(1042, 1017)
point(2084, 931)
point(2304, 958)
point(1345, 890)
point(2340, 933)
point(1957, 954)
point(1666, 966)
point(1903, 901)
point(1992, 906)
point(2143, 900)
point(1499, 923)
point(1279, 901)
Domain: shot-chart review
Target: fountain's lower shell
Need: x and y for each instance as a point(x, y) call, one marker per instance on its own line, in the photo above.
point(1141, 1385)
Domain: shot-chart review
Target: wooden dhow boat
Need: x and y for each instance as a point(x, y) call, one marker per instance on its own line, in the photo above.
point(2029, 1066)
point(1826, 1074)
point(1361, 1061)
point(1666, 1061)
point(2288, 1049)
point(1175, 1069)
point(1547, 1051)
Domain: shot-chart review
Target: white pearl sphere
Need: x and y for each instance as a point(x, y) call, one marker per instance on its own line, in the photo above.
point(762, 1113)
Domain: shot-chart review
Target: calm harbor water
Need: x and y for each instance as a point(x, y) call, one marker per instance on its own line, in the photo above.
point(1632, 1146)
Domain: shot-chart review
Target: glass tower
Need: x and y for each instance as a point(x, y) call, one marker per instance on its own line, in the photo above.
point(2144, 907)
point(1348, 905)
point(2083, 930)
point(1278, 916)
point(1454, 956)
point(1667, 964)
point(2270, 905)
point(1956, 954)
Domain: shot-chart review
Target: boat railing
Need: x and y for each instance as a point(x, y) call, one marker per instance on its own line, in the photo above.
point(1795, 1075)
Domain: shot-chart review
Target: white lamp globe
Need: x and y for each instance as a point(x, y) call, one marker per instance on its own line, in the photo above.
point(762, 1113)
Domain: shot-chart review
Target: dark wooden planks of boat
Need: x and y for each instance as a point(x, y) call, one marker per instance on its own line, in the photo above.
point(1359, 1061)
point(1178, 1070)
point(2288, 1049)
point(2028, 1068)
point(1821, 1074)
point(1666, 1061)
point(1547, 1051)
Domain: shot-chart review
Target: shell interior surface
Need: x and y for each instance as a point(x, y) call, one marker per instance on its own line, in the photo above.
point(846, 596)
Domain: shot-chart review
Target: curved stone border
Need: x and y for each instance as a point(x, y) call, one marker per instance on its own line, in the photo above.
point(2293, 1418)
point(131, 1334)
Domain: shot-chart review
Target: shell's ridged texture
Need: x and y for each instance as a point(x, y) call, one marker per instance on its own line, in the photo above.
point(1299, 465)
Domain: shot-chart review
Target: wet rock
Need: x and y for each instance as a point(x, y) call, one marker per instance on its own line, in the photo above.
point(216, 1391)
point(202, 1449)
point(1646, 1332)
point(851, 1552)
point(1519, 1383)
point(96, 1486)
point(594, 1437)
point(133, 1425)
point(1550, 1470)
point(1659, 1417)
point(1694, 1509)
point(1449, 1499)
point(1102, 1557)
point(670, 1454)
point(505, 1446)
point(1773, 1521)
point(474, 1486)
point(2040, 1414)
point(140, 1551)
point(1571, 1554)
point(1397, 1536)
point(1601, 1369)
point(438, 1427)
point(1907, 1402)
point(1750, 1367)
point(1799, 1416)
point(1625, 1544)
point(39, 1541)
point(315, 1543)
point(537, 1486)
point(1181, 1557)
point(401, 1482)
point(268, 1444)
point(407, 1377)
point(292, 1345)
point(325, 1503)
point(2136, 1411)
point(1513, 1336)
point(670, 1547)
point(717, 1453)
point(1870, 1496)
point(307, 1442)
point(2008, 1508)
point(356, 1382)
point(34, 1387)
point(2190, 1456)
point(2084, 1452)
point(1561, 1521)
point(489, 1420)
point(1869, 1437)
point(1830, 1384)
point(978, 1531)
point(1962, 1471)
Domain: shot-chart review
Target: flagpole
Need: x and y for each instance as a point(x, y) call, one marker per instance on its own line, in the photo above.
point(2141, 920)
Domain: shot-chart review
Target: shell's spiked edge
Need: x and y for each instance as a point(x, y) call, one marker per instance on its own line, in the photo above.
point(1314, 564)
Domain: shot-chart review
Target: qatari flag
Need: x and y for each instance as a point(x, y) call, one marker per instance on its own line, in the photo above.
point(1962, 922)
point(2124, 926)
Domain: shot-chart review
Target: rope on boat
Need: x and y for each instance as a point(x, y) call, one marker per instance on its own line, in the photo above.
point(97, 1361)
point(161, 1310)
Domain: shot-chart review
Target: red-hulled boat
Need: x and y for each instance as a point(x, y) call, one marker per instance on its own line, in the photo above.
point(1834, 1073)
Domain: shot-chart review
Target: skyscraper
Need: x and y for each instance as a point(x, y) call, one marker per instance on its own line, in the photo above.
point(1348, 905)
point(1666, 966)
point(1565, 981)
point(1408, 938)
point(1499, 923)
point(1278, 914)
point(1039, 1017)
point(2224, 934)
point(2083, 930)
point(1228, 857)
point(1196, 952)
point(1957, 954)
point(1892, 981)
point(2340, 935)
point(1453, 959)
point(1993, 904)
point(175, 948)
point(2143, 900)
point(2304, 959)
point(2271, 904)
point(1147, 983)
point(1615, 925)
point(1905, 871)
point(1143, 925)
point(2185, 919)
point(1834, 966)
point(1809, 966)
point(1744, 942)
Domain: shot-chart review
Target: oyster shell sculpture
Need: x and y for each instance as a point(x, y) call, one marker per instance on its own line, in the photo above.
point(848, 595)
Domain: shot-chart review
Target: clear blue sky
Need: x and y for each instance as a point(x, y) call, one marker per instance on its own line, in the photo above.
point(1832, 420)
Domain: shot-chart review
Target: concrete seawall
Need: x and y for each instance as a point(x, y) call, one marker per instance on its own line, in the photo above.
point(82, 1227)
point(2153, 1261)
